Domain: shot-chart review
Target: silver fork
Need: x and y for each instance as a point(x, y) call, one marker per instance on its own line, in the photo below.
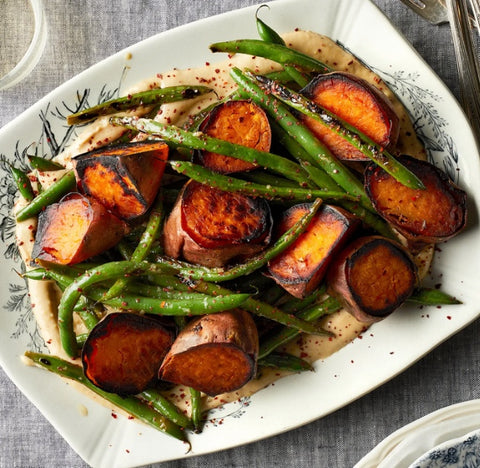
point(434, 11)
point(456, 12)
point(467, 60)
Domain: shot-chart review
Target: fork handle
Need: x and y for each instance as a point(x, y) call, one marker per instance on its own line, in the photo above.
point(467, 62)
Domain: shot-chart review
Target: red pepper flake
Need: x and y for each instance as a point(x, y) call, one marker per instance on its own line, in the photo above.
point(449, 317)
point(114, 416)
point(126, 450)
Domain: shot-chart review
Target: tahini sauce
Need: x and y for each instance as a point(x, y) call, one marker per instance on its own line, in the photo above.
point(45, 296)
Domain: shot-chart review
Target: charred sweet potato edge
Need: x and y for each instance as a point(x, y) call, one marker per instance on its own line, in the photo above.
point(145, 340)
point(214, 353)
point(75, 229)
point(215, 218)
point(241, 122)
point(329, 91)
point(370, 285)
point(433, 215)
point(301, 267)
point(125, 178)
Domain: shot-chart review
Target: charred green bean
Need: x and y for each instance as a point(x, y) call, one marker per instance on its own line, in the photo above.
point(252, 189)
point(200, 141)
point(50, 195)
point(132, 405)
point(276, 52)
point(43, 164)
point(145, 98)
point(286, 362)
point(360, 141)
point(22, 181)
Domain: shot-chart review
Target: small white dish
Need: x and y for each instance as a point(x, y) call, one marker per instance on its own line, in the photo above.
point(462, 452)
point(444, 438)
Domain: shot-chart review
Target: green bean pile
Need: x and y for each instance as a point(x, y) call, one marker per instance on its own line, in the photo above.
point(136, 276)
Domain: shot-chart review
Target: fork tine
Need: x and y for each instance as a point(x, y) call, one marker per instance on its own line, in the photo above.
point(434, 11)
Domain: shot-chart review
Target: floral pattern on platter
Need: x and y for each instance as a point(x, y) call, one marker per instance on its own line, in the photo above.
point(54, 136)
point(460, 453)
point(429, 126)
point(235, 409)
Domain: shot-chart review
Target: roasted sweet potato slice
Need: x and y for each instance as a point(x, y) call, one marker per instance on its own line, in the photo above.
point(125, 178)
point(212, 227)
point(301, 267)
point(124, 351)
point(74, 229)
point(422, 216)
point(241, 122)
point(216, 353)
point(356, 102)
point(372, 277)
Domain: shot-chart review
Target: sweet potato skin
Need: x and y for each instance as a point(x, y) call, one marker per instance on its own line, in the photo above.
point(216, 353)
point(241, 122)
point(212, 227)
point(358, 103)
point(124, 351)
point(372, 277)
point(301, 267)
point(124, 178)
point(75, 229)
point(433, 215)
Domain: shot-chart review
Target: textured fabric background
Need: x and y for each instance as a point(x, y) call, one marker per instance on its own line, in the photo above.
point(82, 33)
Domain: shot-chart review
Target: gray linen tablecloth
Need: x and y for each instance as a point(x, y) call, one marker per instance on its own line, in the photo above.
point(81, 34)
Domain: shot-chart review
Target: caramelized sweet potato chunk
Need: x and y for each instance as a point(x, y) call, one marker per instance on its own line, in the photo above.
point(356, 102)
point(240, 122)
point(124, 351)
point(301, 267)
point(422, 216)
point(75, 229)
point(372, 276)
point(124, 178)
point(216, 353)
point(211, 227)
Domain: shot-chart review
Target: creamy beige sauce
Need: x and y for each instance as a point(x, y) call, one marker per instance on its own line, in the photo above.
point(44, 294)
